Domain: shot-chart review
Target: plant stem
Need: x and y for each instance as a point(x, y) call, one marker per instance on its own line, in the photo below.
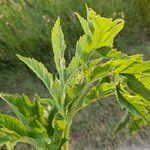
point(66, 136)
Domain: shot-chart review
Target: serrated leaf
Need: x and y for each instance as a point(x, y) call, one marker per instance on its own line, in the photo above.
point(39, 69)
point(13, 124)
point(108, 52)
point(130, 65)
point(142, 68)
point(138, 87)
point(85, 25)
point(37, 129)
point(108, 37)
point(104, 30)
point(59, 46)
point(7, 135)
point(38, 110)
point(14, 103)
point(4, 139)
point(102, 90)
point(122, 65)
point(101, 71)
point(22, 103)
point(80, 58)
point(133, 104)
point(82, 48)
point(135, 124)
point(50, 119)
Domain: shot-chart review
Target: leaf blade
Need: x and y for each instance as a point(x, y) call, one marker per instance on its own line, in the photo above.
point(40, 70)
point(59, 46)
point(13, 124)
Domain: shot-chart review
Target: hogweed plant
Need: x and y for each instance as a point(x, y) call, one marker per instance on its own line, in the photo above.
point(96, 71)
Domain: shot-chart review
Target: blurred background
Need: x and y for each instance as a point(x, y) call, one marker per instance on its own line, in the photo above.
point(25, 28)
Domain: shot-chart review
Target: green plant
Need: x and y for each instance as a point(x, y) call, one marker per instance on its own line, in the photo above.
point(96, 71)
point(25, 26)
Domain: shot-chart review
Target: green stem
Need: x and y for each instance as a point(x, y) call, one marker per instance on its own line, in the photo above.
point(66, 136)
point(83, 93)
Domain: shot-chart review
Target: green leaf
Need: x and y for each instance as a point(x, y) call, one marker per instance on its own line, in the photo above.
point(133, 103)
point(59, 47)
point(108, 52)
point(105, 29)
point(103, 89)
point(50, 119)
point(138, 87)
point(112, 31)
point(4, 139)
point(13, 124)
point(101, 31)
point(85, 45)
point(10, 145)
point(82, 48)
point(56, 89)
point(101, 71)
point(22, 103)
point(130, 65)
point(135, 124)
point(80, 58)
point(37, 129)
point(142, 68)
point(39, 69)
point(122, 65)
point(7, 135)
point(15, 102)
point(38, 110)
point(85, 25)
point(145, 80)
point(6, 132)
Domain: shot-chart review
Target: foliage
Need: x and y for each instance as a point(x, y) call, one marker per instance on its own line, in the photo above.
point(25, 26)
point(97, 70)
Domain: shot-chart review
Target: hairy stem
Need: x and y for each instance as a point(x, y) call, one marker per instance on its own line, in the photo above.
point(66, 132)
point(66, 136)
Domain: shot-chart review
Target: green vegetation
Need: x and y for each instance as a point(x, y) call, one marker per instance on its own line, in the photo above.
point(25, 26)
point(29, 35)
point(96, 71)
